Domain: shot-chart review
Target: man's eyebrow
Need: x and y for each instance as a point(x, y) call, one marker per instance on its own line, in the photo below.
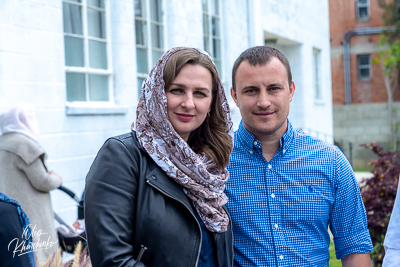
point(275, 85)
point(249, 87)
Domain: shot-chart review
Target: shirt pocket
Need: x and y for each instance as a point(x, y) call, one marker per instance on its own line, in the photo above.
point(309, 206)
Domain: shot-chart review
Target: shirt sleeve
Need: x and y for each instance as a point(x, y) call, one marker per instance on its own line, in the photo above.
point(39, 177)
point(392, 238)
point(348, 220)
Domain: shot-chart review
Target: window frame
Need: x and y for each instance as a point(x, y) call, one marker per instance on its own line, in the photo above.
point(363, 5)
point(148, 38)
point(86, 69)
point(210, 35)
point(364, 66)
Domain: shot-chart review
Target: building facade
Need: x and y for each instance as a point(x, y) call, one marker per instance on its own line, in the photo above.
point(358, 90)
point(82, 63)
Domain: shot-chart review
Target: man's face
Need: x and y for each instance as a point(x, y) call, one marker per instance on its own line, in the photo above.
point(263, 96)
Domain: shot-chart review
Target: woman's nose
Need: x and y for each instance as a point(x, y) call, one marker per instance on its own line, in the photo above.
point(188, 101)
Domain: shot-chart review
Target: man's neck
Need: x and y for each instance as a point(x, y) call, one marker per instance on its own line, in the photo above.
point(270, 142)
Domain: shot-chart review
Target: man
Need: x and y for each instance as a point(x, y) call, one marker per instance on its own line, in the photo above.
point(286, 187)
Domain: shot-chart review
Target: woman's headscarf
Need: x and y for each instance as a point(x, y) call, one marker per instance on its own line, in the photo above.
point(20, 118)
point(199, 176)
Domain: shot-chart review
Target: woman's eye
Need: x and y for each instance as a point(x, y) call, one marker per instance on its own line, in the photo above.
point(176, 91)
point(198, 93)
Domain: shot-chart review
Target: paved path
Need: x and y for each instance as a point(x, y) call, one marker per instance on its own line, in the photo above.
point(361, 175)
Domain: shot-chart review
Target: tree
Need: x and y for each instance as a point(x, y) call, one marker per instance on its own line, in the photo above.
point(389, 59)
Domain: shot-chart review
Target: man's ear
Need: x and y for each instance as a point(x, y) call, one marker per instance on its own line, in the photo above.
point(292, 88)
point(234, 96)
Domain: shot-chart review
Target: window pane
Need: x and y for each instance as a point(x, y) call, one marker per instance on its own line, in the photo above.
point(215, 27)
point(140, 30)
point(97, 3)
point(216, 48)
point(72, 18)
point(363, 59)
point(214, 7)
point(156, 36)
point(75, 87)
point(205, 6)
point(141, 60)
point(96, 23)
point(218, 63)
point(364, 73)
point(79, 1)
point(155, 55)
point(155, 10)
point(97, 54)
point(362, 1)
point(207, 44)
point(205, 24)
point(363, 12)
point(74, 56)
point(140, 9)
point(139, 84)
point(98, 87)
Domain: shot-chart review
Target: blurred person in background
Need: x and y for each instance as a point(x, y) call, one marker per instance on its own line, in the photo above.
point(24, 176)
point(392, 238)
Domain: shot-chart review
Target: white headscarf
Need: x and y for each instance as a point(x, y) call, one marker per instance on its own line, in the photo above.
point(20, 118)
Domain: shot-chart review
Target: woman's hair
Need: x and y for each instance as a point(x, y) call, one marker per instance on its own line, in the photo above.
point(211, 138)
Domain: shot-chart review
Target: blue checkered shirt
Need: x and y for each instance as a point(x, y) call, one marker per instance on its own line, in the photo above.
point(281, 209)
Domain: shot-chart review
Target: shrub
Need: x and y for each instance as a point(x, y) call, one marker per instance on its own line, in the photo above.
point(379, 193)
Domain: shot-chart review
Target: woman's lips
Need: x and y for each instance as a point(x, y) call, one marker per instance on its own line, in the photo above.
point(184, 117)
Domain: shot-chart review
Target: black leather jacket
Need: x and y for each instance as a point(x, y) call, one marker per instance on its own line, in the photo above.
point(130, 202)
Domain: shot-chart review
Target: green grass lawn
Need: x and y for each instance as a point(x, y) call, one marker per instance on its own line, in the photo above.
point(333, 262)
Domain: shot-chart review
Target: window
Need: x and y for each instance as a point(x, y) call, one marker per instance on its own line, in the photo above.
point(364, 67)
point(317, 73)
point(362, 9)
point(149, 30)
point(86, 47)
point(212, 31)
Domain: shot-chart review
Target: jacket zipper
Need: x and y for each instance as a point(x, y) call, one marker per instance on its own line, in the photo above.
point(201, 237)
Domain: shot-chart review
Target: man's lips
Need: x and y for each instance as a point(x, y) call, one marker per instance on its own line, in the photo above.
point(184, 117)
point(264, 114)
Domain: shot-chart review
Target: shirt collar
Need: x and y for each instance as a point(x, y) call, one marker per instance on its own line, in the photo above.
point(248, 140)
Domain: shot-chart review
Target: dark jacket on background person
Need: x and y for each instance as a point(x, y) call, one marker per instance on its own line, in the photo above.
point(13, 222)
point(152, 211)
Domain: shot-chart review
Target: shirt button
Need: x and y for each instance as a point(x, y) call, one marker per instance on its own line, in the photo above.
point(276, 226)
point(273, 195)
point(269, 166)
point(281, 257)
point(284, 151)
point(255, 143)
point(251, 151)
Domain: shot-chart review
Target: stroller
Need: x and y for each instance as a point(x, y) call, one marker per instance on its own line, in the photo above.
point(68, 237)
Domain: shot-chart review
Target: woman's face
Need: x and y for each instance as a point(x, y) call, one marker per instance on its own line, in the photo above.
point(189, 99)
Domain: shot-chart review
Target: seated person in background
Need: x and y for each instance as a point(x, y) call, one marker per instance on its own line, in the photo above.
point(23, 175)
point(13, 222)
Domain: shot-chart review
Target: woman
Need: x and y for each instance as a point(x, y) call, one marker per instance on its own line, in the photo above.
point(24, 177)
point(154, 197)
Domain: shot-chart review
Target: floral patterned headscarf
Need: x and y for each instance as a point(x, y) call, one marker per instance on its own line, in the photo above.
point(201, 180)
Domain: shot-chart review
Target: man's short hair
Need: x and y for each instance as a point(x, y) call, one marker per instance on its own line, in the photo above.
point(260, 55)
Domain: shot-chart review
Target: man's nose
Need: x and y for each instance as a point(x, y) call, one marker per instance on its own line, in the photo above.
point(263, 100)
point(188, 101)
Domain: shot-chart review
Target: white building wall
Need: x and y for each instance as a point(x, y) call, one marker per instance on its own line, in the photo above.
point(32, 69)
